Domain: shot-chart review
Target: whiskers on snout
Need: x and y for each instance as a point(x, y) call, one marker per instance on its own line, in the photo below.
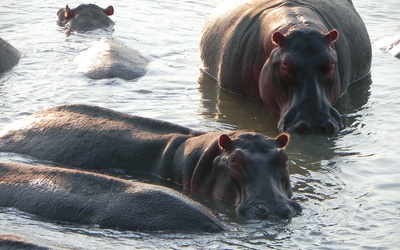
point(286, 210)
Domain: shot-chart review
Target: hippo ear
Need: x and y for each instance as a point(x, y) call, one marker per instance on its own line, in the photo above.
point(109, 11)
point(68, 12)
point(283, 140)
point(204, 167)
point(278, 38)
point(332, 35)
point(225, 142)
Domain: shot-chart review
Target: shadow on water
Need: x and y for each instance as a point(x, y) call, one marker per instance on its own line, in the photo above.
point(353, 101)
point(238, 111)
point(314, 157)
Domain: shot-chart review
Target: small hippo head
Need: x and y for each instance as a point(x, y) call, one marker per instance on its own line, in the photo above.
point(251, 171)
point(85, 17)
point(301, 81)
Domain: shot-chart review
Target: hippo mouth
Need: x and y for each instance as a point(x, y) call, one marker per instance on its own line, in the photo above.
point(238, 197)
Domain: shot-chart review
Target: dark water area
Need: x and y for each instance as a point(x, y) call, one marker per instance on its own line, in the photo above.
point(348, 184)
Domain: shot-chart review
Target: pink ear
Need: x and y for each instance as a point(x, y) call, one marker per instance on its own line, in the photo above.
point(68, 12)
point(109, 11)
point(225, 142)
point(283, 140)
point(278, 38)
point(332, 35)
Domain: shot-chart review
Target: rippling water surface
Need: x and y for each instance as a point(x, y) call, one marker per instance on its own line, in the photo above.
point(348, 185)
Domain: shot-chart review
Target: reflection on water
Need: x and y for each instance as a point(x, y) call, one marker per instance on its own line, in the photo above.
point(237, 111)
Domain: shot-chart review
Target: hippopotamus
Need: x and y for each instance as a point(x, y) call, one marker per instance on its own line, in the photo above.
point(245, 169)
point(110, 58)
point(297, 56)
point(85, 17)
point(391, 44)
point(88, 198)
point(9, 56)
point(15, 242)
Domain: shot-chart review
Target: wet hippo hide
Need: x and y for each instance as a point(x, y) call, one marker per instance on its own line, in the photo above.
point(85, 17)
point(9, 56)
point(391, 44)
point(107, 58)
point(82, 197)
point(110, 58)
point(297, 56)
point(244, 168)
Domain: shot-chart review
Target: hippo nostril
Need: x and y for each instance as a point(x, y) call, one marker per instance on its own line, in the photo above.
point(302, 127)
point(287, 212)
point(260, 211)
point(330, 127)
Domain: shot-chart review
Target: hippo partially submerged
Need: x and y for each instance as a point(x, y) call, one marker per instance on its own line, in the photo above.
point(14, 242)
point(85, 17)
point(107, 58)
point(297, 56)
point(9, 56)
point(110, 58)
point(82, 197)
point(391, 44)
point(247, 169)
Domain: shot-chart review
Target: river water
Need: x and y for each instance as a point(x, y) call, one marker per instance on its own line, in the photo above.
point(348, 185)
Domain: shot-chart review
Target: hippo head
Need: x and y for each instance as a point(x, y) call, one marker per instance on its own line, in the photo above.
point(251, 171)
point(301, 81)
point(90, 15)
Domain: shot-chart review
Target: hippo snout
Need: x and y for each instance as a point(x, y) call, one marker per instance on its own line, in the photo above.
point(262, 211)
point(311, 122)
point(304, 127)
point(258, 211)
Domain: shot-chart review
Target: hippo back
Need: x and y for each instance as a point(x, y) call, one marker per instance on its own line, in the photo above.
point(254, 22)
point(110, 58)
point(87, 198)
point(353, 46)
point(9, 56)
point(92, 137)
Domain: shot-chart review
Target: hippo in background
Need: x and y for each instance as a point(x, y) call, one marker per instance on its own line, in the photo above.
point(85, 17)
point(297, 56)
point(9, 56)
point(390, 44)
point(107, 58)
point(246, 169)
point(110, 58)
point(82, 197)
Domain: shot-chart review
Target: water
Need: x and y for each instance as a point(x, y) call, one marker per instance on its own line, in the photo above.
point(348, 185)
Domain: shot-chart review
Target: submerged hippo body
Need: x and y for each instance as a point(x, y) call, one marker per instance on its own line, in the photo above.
point(15, 242)
point(82, 197)
point(391, 44)
point(109, 58)
point(85, 17)
point(297, 56)
point(9, 56)
point(247, 169)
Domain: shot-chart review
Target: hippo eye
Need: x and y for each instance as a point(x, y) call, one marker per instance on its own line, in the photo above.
point(284, 64)
point(331, 68)
point(284, 68)
point(233, 160)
